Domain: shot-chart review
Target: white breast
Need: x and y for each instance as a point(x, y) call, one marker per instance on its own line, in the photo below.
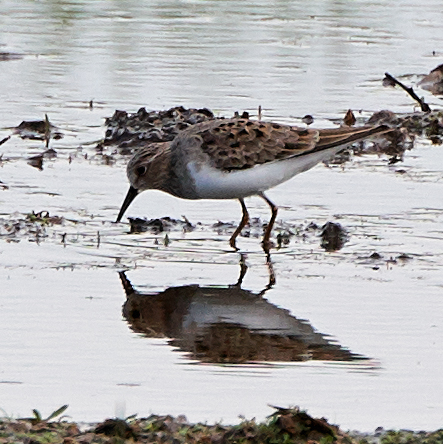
point(211, 183)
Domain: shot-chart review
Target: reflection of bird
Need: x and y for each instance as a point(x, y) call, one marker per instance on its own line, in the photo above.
point(227, 324)
point(234, 159)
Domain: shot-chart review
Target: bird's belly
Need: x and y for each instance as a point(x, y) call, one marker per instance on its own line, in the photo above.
point(211, 183)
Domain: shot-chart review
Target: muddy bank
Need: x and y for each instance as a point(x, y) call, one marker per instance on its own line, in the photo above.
point(283, 426)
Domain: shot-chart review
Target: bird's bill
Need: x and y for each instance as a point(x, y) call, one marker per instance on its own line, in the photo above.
point(132, 193)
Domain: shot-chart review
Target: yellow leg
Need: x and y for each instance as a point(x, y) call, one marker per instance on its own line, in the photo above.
point(243, 223)
point(266, 242)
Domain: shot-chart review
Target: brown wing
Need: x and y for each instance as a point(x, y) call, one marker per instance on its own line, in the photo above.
point(330, 138)
point(235, 144)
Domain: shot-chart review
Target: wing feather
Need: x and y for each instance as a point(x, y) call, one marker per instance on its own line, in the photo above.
point(235, 144)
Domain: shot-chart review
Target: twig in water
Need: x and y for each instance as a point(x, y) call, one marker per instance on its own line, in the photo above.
point(423, 105)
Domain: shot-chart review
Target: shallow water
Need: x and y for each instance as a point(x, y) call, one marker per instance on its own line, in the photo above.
point(64, 338)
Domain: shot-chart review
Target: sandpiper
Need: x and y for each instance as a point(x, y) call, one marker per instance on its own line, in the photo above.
point(233, 159)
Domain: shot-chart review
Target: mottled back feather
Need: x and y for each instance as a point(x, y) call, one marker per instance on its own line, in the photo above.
point(235, 144)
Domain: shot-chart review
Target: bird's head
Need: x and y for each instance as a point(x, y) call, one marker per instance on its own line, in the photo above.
point(146, 170)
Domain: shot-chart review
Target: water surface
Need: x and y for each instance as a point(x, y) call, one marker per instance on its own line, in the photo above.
point(64, 334)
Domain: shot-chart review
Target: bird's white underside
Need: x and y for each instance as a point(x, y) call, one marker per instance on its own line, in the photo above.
point(211, 183)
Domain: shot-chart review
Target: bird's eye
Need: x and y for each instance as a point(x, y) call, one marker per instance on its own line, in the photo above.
point(141, 170)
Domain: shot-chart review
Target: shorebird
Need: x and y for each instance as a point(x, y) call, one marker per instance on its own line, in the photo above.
point(233, 159)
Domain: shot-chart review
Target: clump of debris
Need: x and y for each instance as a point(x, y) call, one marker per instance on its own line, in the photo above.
point(130, 129)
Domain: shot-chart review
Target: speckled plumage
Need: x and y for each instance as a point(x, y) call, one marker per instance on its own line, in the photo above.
point(233, 159)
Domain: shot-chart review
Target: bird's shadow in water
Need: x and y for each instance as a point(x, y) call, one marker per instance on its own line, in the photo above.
point(227, 324)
